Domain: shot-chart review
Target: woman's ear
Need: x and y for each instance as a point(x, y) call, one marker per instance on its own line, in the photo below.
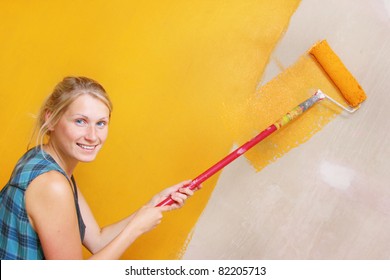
point(48, 115)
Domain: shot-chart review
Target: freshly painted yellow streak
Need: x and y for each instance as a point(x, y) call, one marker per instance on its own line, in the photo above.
point(294, 85)
point(177, 71)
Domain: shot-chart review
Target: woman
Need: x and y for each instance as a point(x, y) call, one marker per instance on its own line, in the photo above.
point(43, 215)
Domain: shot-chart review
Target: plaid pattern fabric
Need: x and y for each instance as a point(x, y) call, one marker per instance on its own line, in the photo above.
point(18, 240)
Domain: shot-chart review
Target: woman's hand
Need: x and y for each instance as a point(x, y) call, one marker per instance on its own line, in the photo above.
point(146, 218)
point(179, 194)
point(149, 216)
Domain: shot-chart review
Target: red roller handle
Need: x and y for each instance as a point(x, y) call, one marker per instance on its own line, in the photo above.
point(298, 110)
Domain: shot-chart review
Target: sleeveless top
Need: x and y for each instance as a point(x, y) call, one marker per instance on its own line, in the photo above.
point(18, 240)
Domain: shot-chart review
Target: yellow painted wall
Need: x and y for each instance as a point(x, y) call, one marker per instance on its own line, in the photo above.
point(177, 72)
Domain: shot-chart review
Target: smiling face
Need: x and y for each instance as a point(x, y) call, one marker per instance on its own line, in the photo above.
point(80, 132)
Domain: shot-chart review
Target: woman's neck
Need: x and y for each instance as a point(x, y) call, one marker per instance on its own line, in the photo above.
point(66, 163)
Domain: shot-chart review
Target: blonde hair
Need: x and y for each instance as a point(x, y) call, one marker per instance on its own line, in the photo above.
point(64, 93)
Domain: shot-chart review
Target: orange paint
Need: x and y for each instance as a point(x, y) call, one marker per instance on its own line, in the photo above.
point(176, 71)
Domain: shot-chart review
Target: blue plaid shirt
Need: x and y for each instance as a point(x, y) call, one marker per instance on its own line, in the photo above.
point(18, 240)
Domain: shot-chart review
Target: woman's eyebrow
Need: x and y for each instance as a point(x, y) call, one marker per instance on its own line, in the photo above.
point(86, 117)
point(80, 115)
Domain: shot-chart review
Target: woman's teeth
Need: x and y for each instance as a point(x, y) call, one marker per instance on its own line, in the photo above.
point(87, 147)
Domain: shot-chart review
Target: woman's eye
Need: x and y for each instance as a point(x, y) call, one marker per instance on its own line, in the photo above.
point(102, 124)
point(80, 122)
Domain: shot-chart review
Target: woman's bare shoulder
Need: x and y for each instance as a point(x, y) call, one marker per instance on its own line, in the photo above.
point(51, 186)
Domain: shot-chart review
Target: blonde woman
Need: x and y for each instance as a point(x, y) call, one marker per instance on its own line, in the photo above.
point(43, 215)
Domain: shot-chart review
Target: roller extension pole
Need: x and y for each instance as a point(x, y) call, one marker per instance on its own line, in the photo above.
point(294, 113)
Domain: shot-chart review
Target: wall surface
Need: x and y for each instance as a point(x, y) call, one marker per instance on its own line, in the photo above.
point(191, 80)
point(327, 198)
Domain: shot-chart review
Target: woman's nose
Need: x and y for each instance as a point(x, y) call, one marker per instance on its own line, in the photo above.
point(91, 134)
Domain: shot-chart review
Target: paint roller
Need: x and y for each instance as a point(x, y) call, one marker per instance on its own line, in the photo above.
point(337, 72)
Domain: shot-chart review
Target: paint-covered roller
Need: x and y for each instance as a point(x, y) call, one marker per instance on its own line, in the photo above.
point(338, 73)
point(343, 79)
